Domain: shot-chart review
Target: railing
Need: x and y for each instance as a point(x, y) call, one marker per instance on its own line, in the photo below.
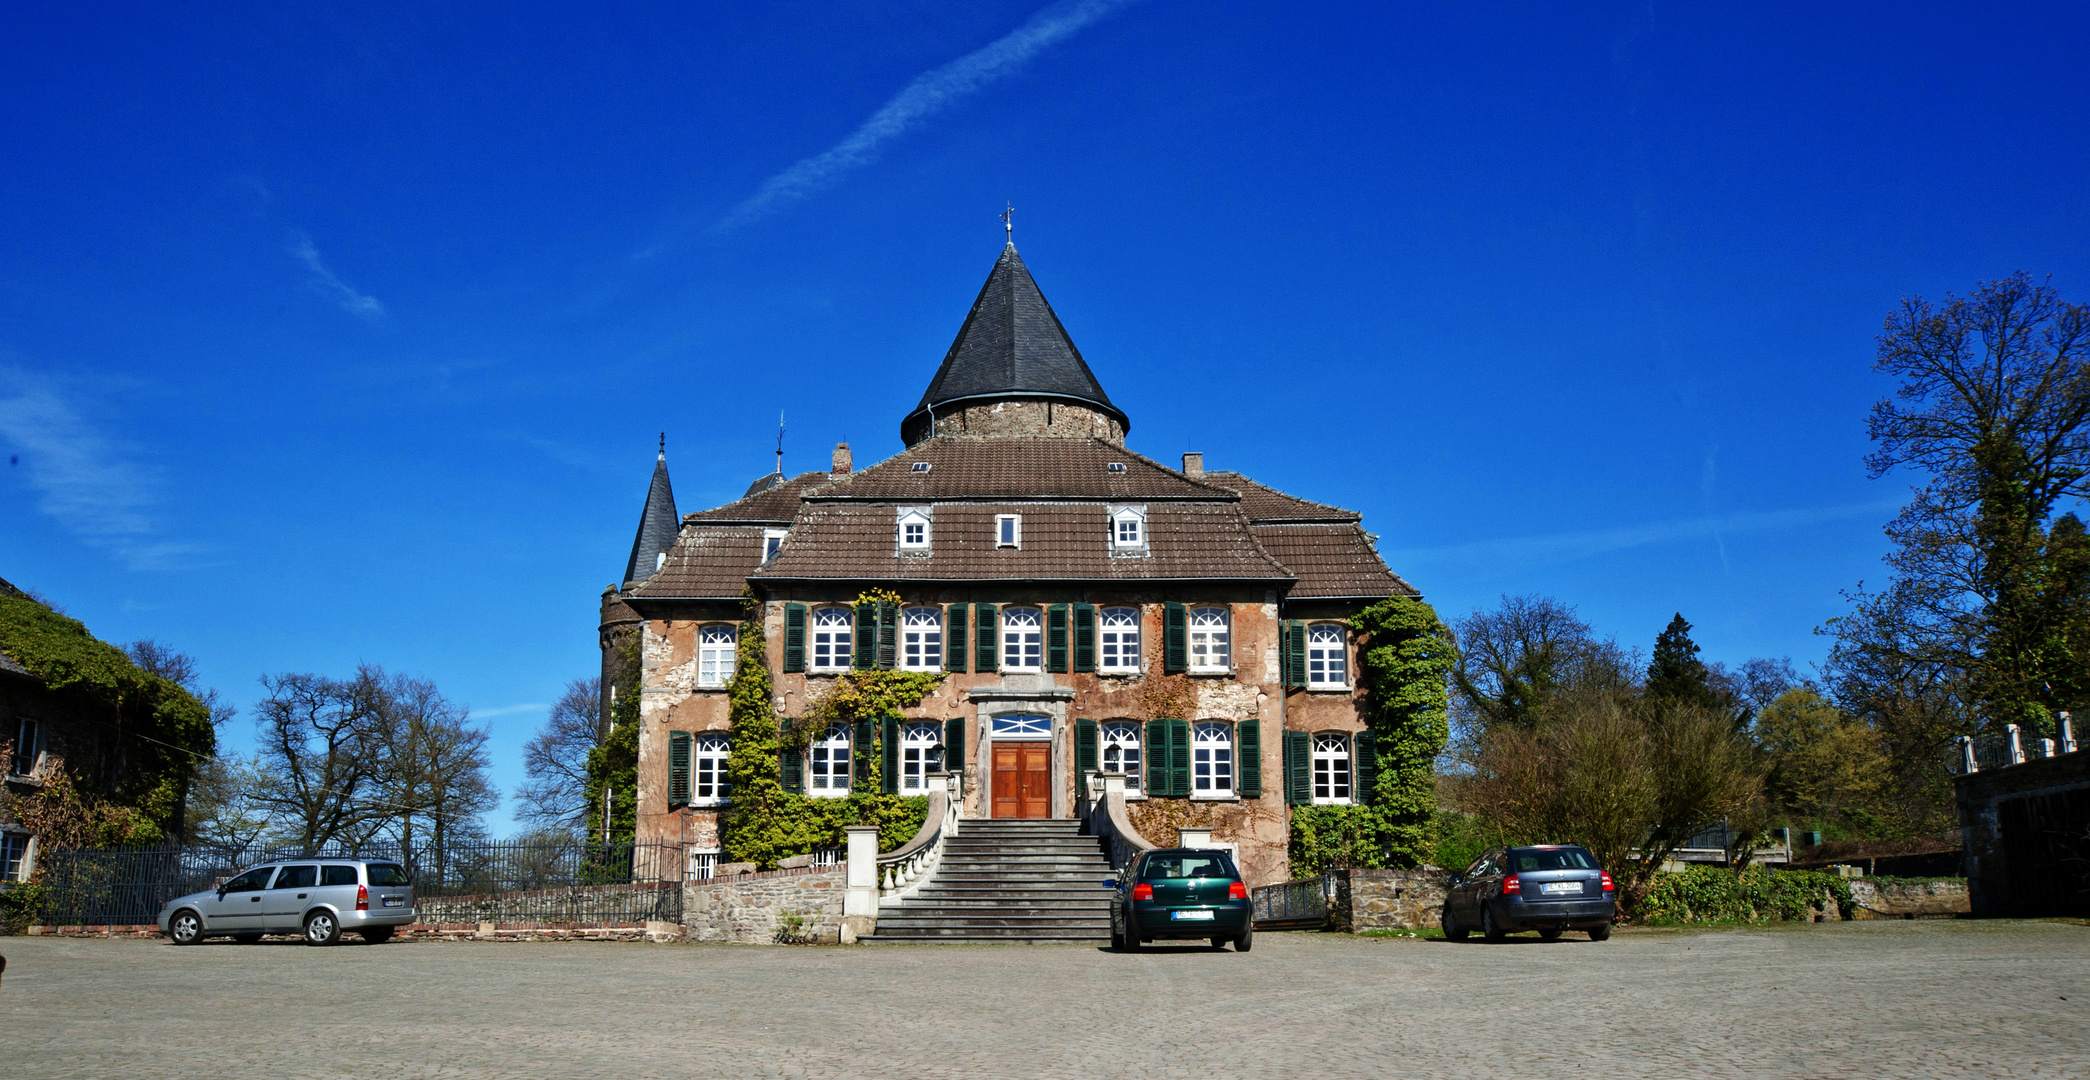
point(539, 881)
point(902, 871)
point(1981, 753)
point(1104, 812)
point(1292, 905)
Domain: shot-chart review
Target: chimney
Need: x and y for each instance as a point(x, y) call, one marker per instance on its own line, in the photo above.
point(842, 463)
point(1194, 465)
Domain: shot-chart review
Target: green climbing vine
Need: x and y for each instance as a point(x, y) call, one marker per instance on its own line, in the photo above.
point(766, 823)
point(1406, 656)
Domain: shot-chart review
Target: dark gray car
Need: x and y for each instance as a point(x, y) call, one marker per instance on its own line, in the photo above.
point(318, 898)
point(1546, 887)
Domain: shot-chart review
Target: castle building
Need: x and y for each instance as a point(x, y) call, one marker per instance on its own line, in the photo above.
point(1094, 609)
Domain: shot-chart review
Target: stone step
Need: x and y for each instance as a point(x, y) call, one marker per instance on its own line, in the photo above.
point(1040, 930)
point(1008, 896)
point(1056, 918)
point(896, 941)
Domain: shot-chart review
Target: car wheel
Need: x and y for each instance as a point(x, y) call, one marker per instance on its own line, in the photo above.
point(1452, 930)
point(1489, 928)
point(1246, 941)
point(1600, 933)
point(185, 928)
point(321, 928)
point(1219, 942)
point(1549, 935)
point(377, 935)
point(247, 939)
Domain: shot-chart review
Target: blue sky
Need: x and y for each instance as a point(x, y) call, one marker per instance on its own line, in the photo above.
point(344, 333)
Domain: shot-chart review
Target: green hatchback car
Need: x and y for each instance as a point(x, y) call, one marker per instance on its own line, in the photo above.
point(1181, 894)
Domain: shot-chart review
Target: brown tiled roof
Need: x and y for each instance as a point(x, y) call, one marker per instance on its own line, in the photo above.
point(1061, 541)
point(1331, 560)
point(770, 506)
point(1263, 503)
point(1018, 468)
point(707, 561)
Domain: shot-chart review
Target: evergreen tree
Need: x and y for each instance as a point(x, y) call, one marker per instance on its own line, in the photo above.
point(1676, 675)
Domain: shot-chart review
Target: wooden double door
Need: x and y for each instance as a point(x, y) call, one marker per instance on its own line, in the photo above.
point(1022, 779)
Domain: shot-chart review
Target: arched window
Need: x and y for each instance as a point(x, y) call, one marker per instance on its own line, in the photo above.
point(1211, 647)
point(1121, 745)
point(1117, 629)
point(1331, 768)
point(921, 639)
point(921, 753)
point(708, 768)
point(1327, 662)
point(831, 637)
point(1022, 639)
point(830, 764)
point(715, 654)
point(1211, 760)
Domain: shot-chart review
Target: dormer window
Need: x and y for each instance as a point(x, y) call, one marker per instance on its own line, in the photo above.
point(914, 528)
point(1128, 529)
point(920, 467)
point(1116, 466)
point(1008, 530)
point(772, 542)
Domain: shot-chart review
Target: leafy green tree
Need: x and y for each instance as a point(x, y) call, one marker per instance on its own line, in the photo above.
point(1826, 767)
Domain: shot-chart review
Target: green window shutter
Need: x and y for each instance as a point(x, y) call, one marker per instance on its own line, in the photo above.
point(794, 637)
point(1248, 759)
point(866, 640)
point(986, 631)
point(1364, 766)
point(1157, 758)
point(678, 768)
point(1175, 639)
point(889, 756)
point(1298, 768)
point(1295, 655)
point(1179, 758)
point(791, 771)
point(1088, 755)
point(888, 635)
point(954, 642)
point(1084, 637)
point(1056, 639)
point(954, 745)
point(860, 754)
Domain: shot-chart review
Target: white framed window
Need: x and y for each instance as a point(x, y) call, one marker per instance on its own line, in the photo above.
point(1117, 637)
point(1121, 752)
point(1211, 760)
point(703, 865)
point(921, 753)
point(921, 639)
point(828, 764)
point(1008, 530)
point(832, 633)
point(1022, 727)
point(14, 856)
point(1022, 639)
point(1211, 647)
point(772, 542)
point(914, 529)
point(1327, 661)
point(1128, 528)
point(715, 654)
point(1331, 769)
point(708, 783)
point(23, 763)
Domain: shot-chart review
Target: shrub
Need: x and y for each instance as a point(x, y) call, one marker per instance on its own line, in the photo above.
point(1756, 894)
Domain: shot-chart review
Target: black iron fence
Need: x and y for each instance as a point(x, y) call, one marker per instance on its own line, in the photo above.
point(1292, 905)
point(535, 882)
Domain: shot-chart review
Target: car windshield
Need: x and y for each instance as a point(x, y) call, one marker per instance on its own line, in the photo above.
point(252, 881)
point(1170, 867)
point(1555, 859)
point(382, 873)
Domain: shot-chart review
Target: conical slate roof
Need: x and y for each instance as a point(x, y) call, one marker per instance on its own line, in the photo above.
point(1011, 346)
point(657, 525)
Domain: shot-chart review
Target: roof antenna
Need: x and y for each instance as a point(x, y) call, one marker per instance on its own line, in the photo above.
point(780, 442)
point(1008, 222)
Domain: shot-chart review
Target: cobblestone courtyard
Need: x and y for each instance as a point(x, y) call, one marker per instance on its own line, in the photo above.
point(1866, 999)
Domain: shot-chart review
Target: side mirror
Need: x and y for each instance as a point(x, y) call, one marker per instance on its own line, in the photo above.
point(1455, 880)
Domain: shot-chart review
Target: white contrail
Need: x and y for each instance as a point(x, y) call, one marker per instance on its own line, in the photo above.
point(360, 305)
point(1525, 552)
point(923, 97)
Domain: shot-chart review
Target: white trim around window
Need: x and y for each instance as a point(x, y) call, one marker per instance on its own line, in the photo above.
point(1117, 640)
point(1331, 769)
point(1211, 760)
point(921, 753)
point(827, 764)
point(1327, 657)
point(707, 769)
point(772, 542)
point(1211, 640)
point(1008, 530)
point(833, 630)
point(702, 864)
point(1128, 529)
point(1123, 752)
point(914, 529)
point(921, 639)
point(1022, 639)
point(715, 647)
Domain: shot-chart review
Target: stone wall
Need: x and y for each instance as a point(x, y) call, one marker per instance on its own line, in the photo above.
point(1910, 899)
point(758, 909)
point(2026, 830)
point(1385, 899)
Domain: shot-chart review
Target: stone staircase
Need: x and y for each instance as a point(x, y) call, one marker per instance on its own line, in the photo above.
point(1020, 882)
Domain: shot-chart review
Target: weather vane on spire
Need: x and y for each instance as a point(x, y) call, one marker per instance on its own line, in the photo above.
point(780, 442)
point(663, 444)
point(1008, 222)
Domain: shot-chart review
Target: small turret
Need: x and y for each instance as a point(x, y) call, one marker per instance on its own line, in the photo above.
point(658, 523)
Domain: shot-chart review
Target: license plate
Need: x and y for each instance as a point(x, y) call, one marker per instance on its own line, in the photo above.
point(1553, 887)
point(1191, 915)
point(395, 901)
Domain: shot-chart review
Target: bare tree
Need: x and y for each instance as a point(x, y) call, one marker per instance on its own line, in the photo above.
point(224, 806)
point(556, 759)
point(1515, 660)
point(317, 760)
point(430, 765)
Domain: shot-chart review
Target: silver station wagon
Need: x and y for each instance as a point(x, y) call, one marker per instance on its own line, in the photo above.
point(319, 898)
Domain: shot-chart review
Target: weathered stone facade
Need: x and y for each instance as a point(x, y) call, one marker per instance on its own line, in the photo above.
point(781, 907)
point(2026, 829)
point(1937, 899)
point(1385, 899)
